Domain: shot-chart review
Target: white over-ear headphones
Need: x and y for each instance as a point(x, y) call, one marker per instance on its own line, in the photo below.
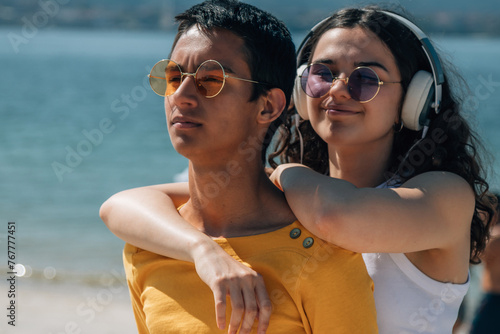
point(424, 91)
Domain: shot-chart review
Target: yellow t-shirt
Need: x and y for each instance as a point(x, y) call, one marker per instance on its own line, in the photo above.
point(314, 286)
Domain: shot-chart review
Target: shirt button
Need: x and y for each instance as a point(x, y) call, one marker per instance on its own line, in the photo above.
point(295, 233)
point(308, 242)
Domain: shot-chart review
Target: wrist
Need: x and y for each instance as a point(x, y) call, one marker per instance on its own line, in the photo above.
point(203, 246)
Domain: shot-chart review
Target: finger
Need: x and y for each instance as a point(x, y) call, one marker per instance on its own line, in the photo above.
point(264, 305)
point(220, 306)
point(237, 306)
point(269, 171)
point(250, 300)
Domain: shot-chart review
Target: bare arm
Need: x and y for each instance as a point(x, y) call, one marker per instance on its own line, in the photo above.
point(147, 218)
point(430, 211)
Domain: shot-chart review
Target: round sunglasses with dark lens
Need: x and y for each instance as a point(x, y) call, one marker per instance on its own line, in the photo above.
point(363, 83)
point(210, 77)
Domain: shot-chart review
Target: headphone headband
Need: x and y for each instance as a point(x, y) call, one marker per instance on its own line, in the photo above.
point(300, 49)
point(430, 52)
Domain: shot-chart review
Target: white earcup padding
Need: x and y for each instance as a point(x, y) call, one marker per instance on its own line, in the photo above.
point(298, 96)
point(417, 99)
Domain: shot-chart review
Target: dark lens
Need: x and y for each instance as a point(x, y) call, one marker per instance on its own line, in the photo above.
point(210, 78)
point(363, 84)
point(316, 80)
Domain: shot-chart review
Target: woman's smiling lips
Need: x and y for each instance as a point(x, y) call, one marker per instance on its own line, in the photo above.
point(335, 110)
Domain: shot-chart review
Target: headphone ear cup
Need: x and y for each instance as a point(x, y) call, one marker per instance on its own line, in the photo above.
point(299, 96)
point(418, 100)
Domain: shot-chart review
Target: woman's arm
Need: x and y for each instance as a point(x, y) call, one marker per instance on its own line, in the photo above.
point(147, 218)
point(430, 211)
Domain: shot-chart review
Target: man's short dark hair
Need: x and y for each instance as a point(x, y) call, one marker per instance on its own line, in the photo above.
point(268, 43)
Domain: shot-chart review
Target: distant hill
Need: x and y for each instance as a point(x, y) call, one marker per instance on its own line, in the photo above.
point(440, 16)
point(418, 6)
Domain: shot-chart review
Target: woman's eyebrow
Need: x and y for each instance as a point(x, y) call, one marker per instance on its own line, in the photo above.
point(325, 61)
point(372, 64)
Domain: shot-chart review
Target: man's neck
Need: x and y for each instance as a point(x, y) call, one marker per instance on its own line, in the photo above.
point(234, 200)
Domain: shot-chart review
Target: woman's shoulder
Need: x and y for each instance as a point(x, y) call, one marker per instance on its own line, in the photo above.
point(440, 183)
point(449, 192)
point(441, 177)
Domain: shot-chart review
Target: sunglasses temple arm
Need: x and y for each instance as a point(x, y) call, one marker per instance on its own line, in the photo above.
point(152, 76)
point(252, 81)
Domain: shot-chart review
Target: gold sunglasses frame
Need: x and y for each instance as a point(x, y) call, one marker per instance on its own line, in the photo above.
point(183, 74)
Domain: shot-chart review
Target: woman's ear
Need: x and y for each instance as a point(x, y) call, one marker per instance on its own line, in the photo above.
point(273, 105)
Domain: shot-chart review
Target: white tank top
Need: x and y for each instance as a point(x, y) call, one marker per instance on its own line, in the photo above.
point(407, 300)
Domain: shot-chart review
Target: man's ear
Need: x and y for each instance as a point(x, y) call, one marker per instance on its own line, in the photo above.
point(273, 105)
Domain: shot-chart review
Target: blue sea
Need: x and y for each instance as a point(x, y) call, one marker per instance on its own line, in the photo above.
point(79, 123)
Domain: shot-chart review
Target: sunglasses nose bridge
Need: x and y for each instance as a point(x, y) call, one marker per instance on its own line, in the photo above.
point(183, 75)
point(339, 79)
point(188, 75)
point(180, 88)
point(344, 80)
point(337, 90)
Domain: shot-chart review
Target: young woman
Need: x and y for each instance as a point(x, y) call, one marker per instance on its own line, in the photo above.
point(411, 199)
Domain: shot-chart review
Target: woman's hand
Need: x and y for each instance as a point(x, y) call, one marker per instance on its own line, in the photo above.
point(227, 277)
point(276, 175)
point(268, 171)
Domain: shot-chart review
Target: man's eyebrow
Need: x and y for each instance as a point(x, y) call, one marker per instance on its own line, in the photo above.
point(227, 69)
point(371, 64)
point(171, 66)
point(224, 64)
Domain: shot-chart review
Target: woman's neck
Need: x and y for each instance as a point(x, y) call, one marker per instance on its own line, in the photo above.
point(363, 166)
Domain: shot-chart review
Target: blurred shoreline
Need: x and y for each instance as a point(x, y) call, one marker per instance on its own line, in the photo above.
point(54, 306)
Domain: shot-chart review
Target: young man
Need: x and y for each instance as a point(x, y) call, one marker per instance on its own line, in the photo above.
point(228, 79)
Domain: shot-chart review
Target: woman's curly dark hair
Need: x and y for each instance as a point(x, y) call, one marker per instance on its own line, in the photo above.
point(450, 144)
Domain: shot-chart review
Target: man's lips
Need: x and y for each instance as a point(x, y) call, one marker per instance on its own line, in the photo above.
point(180, 122)
point(185, 125)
